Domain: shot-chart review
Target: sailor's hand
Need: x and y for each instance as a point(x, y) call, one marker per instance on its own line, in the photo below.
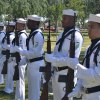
point(77, 92)
point(18, 49)
point(23, 62)
point(12, 49)
point(8, 47)
point(66, 61)
point(72, 62)
point(49, 57)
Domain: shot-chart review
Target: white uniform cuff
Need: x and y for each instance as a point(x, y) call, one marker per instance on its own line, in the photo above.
point(84, 73)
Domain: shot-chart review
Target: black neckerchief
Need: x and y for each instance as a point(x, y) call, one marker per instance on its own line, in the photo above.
point(61, 39)
point(32, 30)
point(93, 43)
point(66, 30)
point(31, 33)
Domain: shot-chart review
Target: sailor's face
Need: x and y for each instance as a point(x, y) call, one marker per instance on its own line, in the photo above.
point(20, 26)
point(67, 21)
point(93, 30)
point(32, 24)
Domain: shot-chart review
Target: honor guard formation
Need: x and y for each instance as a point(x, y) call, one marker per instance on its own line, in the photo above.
point(22, 52)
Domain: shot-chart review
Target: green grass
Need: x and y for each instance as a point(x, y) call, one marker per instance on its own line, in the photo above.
point(53, 38)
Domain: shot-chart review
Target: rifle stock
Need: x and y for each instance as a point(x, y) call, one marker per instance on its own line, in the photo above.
point(17, 55)
point(46, 70)
point(44, 95)
point(16, 72)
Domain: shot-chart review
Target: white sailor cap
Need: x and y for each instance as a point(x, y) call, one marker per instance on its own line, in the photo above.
point(21, 20)
point(34, 17)
point(10, 23)
point(94, 18)
point(1, 24)
point(70, 12)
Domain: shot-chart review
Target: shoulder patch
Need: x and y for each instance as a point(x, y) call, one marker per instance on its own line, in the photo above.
point(36, 44)
point(77, 45)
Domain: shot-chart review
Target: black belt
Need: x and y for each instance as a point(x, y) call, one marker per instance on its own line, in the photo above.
point(35, 59)
point(92, 90)
point(13, 54)
point(4, 52)
point(62, 68)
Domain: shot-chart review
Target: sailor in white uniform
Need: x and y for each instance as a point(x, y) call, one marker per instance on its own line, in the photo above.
point(88, 74)
point(34, 56)
point(9, 86)
point(62, 49)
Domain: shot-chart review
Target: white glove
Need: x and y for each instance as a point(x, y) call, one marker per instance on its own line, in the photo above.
point(77, 92)
point(8, 47)
point(18, 49)
point(59, 62)
point(70, 62)
point(49, 57)
point(23, 62)
point(81, 67)
point(12, 50)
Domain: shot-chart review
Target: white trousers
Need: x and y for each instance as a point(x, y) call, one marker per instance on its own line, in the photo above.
point(34, 79)
point(9, 86)
point(91, 96)
point(20, 84)
point(1, 75)
point(58, 87)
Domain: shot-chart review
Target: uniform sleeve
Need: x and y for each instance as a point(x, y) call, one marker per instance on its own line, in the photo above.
point(22, 41)
point(1, 38)
point(89, 74)
point(7, 46)
point(37, 47)
point(78, 43)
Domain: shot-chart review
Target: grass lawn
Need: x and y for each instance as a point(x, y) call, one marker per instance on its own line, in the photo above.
point(11, 97)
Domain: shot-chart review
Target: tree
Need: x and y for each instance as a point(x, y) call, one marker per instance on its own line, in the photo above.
point(92, 6)
point(20, 8)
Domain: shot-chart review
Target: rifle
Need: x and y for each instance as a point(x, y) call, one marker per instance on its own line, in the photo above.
point(17, 55)
point(46, 70)
point(6, 52)
point(69, 78)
